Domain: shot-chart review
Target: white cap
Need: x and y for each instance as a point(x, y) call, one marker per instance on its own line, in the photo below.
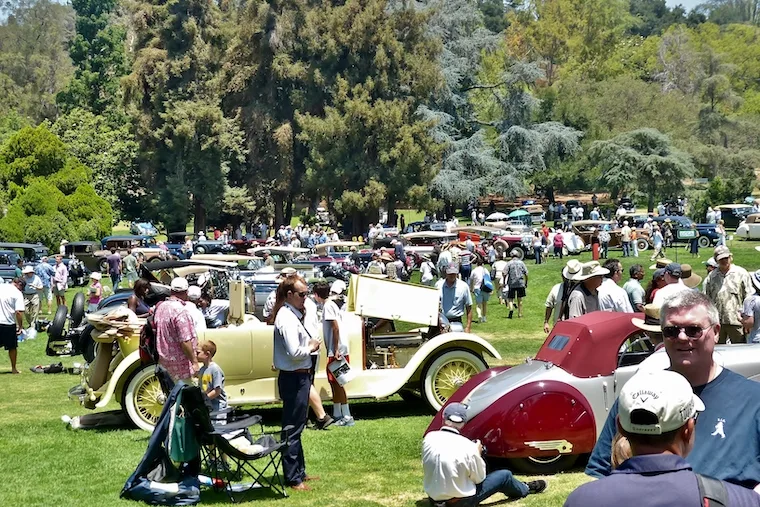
point(665, 394)
point(194, 292)
point(95, 275)
point(338, 287)
point(179, 284)
point(27, 269)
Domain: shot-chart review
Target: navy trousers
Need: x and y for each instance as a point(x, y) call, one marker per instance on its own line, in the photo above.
point(294, 392)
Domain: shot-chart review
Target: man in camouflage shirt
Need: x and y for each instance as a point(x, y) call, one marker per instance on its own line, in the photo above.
point(514, 282)
point(727, 287)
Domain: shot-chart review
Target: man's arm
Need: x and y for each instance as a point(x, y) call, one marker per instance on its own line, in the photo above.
point(336, 339)
point(600, 462)
point(468, 308)
point(292, 340)
point(547, 317)
point(19, 321)
point(189, 351)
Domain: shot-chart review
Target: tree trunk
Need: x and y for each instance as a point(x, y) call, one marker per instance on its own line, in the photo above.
point(549, 193)
point(650, 203)
point(279, 202)
point(391, 206)
point(199, 215)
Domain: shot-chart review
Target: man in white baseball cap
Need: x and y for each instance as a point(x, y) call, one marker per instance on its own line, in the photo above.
point(658, 415)
point(176, 338)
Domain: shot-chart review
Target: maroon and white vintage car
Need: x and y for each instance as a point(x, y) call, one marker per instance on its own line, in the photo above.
point(544, 414)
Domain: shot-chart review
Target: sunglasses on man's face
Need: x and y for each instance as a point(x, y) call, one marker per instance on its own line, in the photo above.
point(692, 332)
point(302, 294)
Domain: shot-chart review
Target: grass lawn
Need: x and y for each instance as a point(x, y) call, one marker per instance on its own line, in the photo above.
point(377, 462)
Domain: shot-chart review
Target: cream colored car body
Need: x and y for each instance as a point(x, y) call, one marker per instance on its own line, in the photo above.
point(244, 352)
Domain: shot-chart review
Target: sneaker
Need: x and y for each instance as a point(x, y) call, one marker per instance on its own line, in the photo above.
point(345, 421)
point(324, 423)
point(509, 316)
point(485, 320)
point(536, 486)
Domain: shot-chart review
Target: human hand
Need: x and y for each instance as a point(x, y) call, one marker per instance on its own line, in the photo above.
point(547, 328)
point(480, 446)
point(314, 345)
point(337, 356)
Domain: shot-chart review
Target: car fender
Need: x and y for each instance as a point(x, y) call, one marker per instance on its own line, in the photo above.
point(447, 341)
point(538, 419)
point(119, 376)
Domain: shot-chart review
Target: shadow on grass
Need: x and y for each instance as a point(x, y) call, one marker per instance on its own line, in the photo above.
point(425, 502)
point(272, 415)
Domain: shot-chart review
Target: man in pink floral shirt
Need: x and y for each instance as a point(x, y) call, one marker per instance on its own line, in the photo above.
point(176, 339)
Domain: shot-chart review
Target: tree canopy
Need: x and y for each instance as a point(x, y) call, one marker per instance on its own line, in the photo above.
point(234, 112)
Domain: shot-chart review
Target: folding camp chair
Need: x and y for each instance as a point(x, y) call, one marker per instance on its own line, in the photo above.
point(239, 470)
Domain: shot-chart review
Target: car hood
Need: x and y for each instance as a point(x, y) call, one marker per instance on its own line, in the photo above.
point(489, 391)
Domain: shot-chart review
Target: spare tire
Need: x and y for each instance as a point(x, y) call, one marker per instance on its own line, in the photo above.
point(77, 310)
point(55, 331)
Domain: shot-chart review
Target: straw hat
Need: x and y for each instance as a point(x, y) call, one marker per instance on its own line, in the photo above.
point(651, 320)
point(589, 270)
point(690, 279)
point(572, 268)
point(385, 256)
point(661, 264)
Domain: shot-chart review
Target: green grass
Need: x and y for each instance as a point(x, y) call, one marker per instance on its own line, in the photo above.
point(375, 463)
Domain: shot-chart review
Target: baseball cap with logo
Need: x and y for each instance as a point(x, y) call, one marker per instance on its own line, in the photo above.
point(456, 413)
point(656, 402)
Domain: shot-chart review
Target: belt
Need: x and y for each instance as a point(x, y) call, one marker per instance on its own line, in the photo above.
point(455, 319)
point(301, 370)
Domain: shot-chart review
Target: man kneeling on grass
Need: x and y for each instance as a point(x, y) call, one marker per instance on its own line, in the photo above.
point(454, 469)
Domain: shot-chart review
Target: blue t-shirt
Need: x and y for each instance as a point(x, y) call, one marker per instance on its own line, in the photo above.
point(654, 479)
point(727, 443)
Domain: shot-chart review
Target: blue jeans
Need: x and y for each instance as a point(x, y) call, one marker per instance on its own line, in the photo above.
point(465, 271)
point(498, 481)
point(626, 248)
point(537, 253)
point(116, 280)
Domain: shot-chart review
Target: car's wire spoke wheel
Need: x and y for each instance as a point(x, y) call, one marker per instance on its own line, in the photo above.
point(451, 377)
point(143, 398)
point(447, 372)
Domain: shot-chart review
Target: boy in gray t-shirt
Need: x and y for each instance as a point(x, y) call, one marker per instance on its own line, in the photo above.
point(211, 377)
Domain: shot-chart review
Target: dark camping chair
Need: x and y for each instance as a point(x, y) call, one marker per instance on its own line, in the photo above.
point(238, 472)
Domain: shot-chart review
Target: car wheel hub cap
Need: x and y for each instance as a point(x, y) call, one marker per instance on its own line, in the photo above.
point(149, 400)
point(451, 377)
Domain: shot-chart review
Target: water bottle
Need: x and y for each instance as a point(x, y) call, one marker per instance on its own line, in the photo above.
point(213, 482)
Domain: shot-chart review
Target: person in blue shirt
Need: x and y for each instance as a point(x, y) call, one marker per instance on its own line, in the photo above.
point(46, 272)
point(658, 414)
point(727, 439)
